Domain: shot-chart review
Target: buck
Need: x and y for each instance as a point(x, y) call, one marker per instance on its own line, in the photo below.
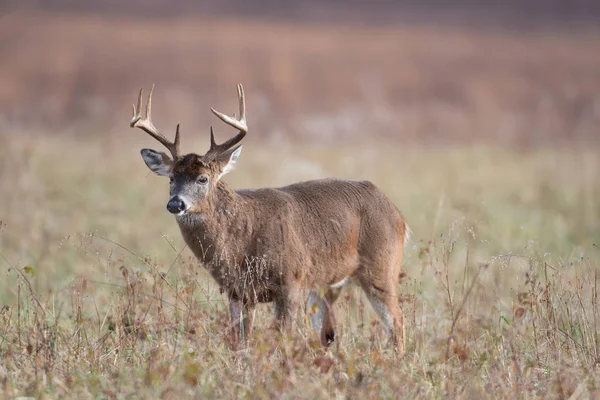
point(279, 244)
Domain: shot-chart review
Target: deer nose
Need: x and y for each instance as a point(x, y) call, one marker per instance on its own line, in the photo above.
point(176, 205)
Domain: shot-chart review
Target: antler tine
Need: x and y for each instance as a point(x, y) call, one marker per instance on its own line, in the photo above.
point(239, 124)
point(176, 141)
point(242, 102)
point(212, 138)
point(147, 126)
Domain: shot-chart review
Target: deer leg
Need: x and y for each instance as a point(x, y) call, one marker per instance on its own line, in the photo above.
point(242, 317)
point(328, 333)
point(247, 322)
point(286, 308)
point(385, 302)
point(320, 311)
point(316, 309)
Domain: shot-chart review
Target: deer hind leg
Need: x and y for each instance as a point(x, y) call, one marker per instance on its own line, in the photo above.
point(320, 312)
point(384, 300)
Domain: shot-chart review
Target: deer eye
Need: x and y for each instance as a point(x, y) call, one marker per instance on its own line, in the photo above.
point(202, 179)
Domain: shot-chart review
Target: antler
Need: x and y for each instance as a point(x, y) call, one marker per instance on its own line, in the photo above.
point(240, 124)
point(147, 126)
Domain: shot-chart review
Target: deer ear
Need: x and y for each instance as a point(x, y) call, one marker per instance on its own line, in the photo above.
point(158, 162)
point(230, 157)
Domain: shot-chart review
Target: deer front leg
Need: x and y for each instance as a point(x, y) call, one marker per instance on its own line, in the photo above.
point(242, 317)
point(286, 308)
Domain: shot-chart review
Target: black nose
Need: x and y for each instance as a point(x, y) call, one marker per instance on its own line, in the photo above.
point(175, 205)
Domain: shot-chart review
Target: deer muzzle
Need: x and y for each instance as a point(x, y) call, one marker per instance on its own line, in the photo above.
point(177, 205)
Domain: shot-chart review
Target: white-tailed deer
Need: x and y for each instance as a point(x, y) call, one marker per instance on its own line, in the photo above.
point(272, 244)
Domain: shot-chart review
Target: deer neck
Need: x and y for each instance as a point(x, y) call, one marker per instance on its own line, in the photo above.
point(225, 206)
point(224, 227)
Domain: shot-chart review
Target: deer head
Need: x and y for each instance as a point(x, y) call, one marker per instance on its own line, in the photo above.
point(192, 177)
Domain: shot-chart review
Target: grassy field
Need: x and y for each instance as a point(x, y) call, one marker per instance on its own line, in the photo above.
point(100, 298)
point(485, 139)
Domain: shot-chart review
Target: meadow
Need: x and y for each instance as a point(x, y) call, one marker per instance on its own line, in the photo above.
point(102, 299)
point(486, 143)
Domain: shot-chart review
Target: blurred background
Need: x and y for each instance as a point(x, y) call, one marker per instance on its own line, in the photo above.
point(512, 72)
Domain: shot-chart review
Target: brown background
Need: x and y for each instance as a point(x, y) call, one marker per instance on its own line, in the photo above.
point(510, 71)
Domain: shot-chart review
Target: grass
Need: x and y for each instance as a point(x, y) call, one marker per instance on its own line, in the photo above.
point(100, 298)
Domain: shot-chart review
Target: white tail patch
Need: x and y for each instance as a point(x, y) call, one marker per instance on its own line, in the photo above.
point(407, 233)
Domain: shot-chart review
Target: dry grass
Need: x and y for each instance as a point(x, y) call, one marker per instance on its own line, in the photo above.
point(101, 299)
